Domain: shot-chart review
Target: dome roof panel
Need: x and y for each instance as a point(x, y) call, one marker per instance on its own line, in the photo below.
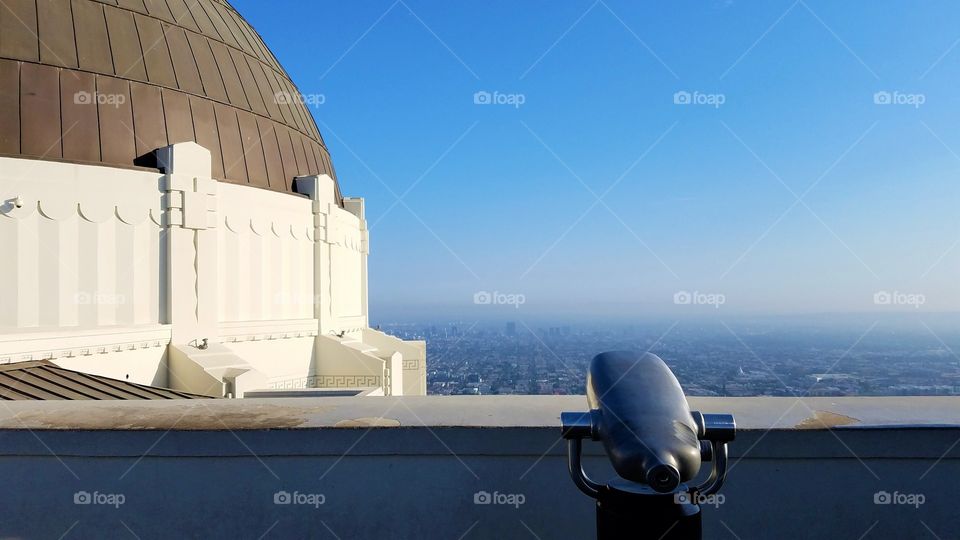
point(108, 82)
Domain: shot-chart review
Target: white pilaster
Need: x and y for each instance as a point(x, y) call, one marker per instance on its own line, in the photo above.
point(190, 220)
point(322, 191)
point(356, 206)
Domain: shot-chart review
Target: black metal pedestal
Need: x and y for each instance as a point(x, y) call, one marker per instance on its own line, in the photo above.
point(623, 515)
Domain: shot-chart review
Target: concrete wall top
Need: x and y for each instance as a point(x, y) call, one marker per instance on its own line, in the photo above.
point(758, 413)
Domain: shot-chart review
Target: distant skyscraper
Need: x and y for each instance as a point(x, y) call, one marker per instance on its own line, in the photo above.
point(511, 328)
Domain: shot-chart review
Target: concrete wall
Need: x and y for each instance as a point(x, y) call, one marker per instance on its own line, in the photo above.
point(411, 468)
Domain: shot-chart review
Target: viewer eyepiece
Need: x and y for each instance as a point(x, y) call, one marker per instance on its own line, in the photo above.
point(663, 478)
point(654, 442)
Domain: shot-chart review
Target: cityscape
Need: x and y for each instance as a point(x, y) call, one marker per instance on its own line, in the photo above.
point(835, 357)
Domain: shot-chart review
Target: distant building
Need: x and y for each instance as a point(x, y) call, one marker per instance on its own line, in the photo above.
point(170, 215)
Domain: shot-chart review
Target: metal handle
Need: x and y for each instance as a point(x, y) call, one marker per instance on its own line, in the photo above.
point(580, 478)
point(718, 473)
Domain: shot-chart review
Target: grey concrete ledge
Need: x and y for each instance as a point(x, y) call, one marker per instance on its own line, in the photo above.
point(759, 413)
point(413, 466)
point(768, 428)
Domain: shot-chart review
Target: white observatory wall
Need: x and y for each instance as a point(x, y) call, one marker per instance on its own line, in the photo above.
point(83, 278)
point(345, 265)
point(266, 242)
point(290, 268)
point(346, 235)
point(82, 248)
point(178, 280)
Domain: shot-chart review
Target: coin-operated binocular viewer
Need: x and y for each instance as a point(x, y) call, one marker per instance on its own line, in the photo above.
point(655, 443)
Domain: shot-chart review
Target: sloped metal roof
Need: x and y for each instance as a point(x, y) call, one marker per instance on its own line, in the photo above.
point(44, 380)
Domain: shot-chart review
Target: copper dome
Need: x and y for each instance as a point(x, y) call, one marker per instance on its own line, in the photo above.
point(109, 81)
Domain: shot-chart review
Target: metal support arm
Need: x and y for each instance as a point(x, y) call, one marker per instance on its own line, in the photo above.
point(580, 478)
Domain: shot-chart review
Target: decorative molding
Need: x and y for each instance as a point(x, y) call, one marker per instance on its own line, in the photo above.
point(265, 214)
point(189, 202)
point(53, 345)
point(344, 229)
point(328, 381)
point(240, 224)
point(267, 330)
point(269, 336)
point(62, 210)
point(59, 191)
point(84, 351)
point(350, 324)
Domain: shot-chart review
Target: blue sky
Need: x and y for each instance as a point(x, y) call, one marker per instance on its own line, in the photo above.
point(798, 194)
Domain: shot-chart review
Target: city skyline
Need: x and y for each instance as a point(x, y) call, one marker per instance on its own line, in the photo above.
point(747, 357)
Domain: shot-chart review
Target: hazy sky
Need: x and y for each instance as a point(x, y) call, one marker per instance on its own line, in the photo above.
point(788, 185)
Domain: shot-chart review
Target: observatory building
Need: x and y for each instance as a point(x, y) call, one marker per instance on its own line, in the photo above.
point(170, 215)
